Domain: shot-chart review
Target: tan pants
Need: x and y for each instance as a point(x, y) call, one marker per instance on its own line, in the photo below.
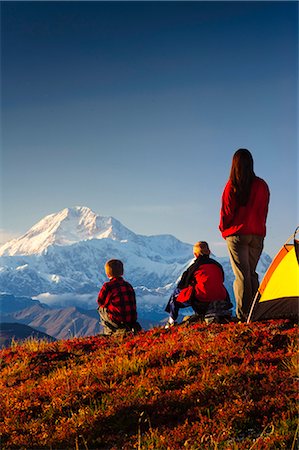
point(244, 252)
point(109, 327)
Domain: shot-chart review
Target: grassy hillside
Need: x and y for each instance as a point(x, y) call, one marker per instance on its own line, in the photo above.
point(192, 387)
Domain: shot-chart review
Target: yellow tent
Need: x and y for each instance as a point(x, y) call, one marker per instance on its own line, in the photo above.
point(278, 293)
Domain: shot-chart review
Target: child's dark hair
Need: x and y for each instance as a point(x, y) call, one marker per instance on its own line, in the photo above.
point(114, 268)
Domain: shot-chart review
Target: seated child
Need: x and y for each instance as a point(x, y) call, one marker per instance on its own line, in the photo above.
point(117, 301)
point(201, 286)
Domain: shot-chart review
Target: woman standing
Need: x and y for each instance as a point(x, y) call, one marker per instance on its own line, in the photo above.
point(243, 215)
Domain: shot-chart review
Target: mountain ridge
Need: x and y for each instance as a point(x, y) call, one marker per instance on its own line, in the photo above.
point(12, 332)
point(65, 227)
point(60, 323)
point(46, 259)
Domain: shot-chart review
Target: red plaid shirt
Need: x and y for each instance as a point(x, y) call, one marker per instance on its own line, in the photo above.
point(118, 297)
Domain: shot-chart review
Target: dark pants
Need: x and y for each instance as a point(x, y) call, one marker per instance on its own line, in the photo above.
point(215, 310)
point(175, 306)
point(244, 252)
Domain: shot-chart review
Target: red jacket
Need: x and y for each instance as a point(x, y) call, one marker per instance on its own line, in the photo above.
point(209, 283)
point(207, 277)
point(249, 219)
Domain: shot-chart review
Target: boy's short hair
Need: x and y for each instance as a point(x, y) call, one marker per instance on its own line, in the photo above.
point(201, 248)
point(114, 268)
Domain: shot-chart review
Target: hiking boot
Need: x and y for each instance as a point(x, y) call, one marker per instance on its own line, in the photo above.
point(170, 324)
point(192, 319)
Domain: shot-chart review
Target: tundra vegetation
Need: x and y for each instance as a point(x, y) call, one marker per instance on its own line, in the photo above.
point(231, 386)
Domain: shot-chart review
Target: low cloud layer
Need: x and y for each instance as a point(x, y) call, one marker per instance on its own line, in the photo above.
point(85, 301)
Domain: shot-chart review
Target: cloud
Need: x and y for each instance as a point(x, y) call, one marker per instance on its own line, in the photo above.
point(85, 301)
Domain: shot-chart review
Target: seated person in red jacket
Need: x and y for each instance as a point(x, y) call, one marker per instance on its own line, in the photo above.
point(201, 287)
point(117, 301)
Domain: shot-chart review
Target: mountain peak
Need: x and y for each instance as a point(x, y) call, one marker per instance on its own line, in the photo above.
point(65, 227)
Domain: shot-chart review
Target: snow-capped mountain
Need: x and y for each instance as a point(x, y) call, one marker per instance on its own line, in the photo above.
point(60, 260)
point(66, 227)
point(66, 252)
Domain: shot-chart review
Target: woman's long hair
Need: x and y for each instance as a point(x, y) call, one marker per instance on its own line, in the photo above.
point(242, 175)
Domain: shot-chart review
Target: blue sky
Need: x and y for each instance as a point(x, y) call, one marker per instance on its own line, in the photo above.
point(135, 109)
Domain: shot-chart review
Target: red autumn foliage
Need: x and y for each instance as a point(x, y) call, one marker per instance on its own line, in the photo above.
point(192, 387)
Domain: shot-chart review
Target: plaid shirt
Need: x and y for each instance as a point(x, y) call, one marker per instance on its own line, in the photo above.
point(118, 297)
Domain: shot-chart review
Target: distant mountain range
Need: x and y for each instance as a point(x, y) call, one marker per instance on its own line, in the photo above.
point(60, 323)
point(66, 253)
point(60, 262)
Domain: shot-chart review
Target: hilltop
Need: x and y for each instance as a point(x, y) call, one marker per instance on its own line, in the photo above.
point(192, 387)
